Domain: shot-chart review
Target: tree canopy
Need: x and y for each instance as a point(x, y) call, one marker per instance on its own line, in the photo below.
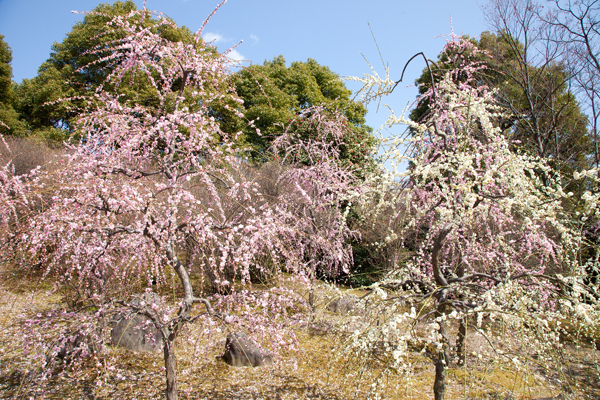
point(544, 117)
point(79, 65)
point(9, 118)
point(5, 71)
point(275, 94)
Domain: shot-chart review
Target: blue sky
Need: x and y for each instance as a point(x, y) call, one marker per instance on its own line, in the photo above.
point(335, 33)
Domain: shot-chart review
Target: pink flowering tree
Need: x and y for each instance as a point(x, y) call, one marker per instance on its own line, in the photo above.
point(12, 199)
point(143, 184)
point(492, 238)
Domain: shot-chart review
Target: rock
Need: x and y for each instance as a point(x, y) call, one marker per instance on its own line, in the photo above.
point(241, 351)
point(137, 332)
point(342, 305)
point(320, 328)
point(147, 297)
point(78, 345)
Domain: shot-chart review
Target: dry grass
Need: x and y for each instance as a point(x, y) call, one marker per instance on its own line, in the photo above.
point(318, 371)
point(26, 154)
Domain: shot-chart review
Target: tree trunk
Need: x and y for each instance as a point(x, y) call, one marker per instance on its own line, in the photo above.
point(461, 345)
point(171, 370)
point(439, 386)
point(441, 364)
point(169, 337)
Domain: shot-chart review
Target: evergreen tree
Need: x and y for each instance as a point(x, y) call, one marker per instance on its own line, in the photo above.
point(275, 95)
point(543, 118)
point(79, 65)
point(9, 118)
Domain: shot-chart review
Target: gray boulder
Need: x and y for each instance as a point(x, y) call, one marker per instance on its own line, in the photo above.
point(137, 332)
point(320, 328)
point(147, 297)
point(342, 305)
point(77, 345)
point(241, 351)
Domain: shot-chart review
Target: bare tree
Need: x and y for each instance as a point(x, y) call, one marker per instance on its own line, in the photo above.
point(574, 26)
point(538, 84)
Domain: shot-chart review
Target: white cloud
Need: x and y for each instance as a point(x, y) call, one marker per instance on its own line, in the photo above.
point(214, 38)
point(255, 38)
point(210, 36)
point(235, 55)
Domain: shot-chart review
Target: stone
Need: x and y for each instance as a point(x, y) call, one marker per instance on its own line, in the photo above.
point(137, 332)
point(147, 297)
point(78, 345)
point(241, 351)
point(342, 305)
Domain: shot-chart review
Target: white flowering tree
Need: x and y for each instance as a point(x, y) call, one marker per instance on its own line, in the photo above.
point(487, 225)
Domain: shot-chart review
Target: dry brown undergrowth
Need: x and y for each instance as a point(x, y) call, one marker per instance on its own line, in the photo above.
point(322, 372)
point(26, 154)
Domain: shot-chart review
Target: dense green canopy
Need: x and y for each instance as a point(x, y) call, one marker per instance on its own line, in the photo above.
point(275, 94)
point(8, 116)
point(5, 71)
point(75, 69)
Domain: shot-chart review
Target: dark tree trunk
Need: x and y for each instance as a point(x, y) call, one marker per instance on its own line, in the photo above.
point(170, 335)
point(461, 340)
point(171, 370)
point(439, 386)
point(441, 364)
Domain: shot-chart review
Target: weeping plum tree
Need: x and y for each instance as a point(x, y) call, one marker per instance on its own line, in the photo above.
point(493, 238)
point(144, 182)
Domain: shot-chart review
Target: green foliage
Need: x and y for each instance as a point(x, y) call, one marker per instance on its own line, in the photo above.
point(274, 94)
point(8, 116)
point(5, 71)
point(547, 119)
point(32, 98)
point(78, 66)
